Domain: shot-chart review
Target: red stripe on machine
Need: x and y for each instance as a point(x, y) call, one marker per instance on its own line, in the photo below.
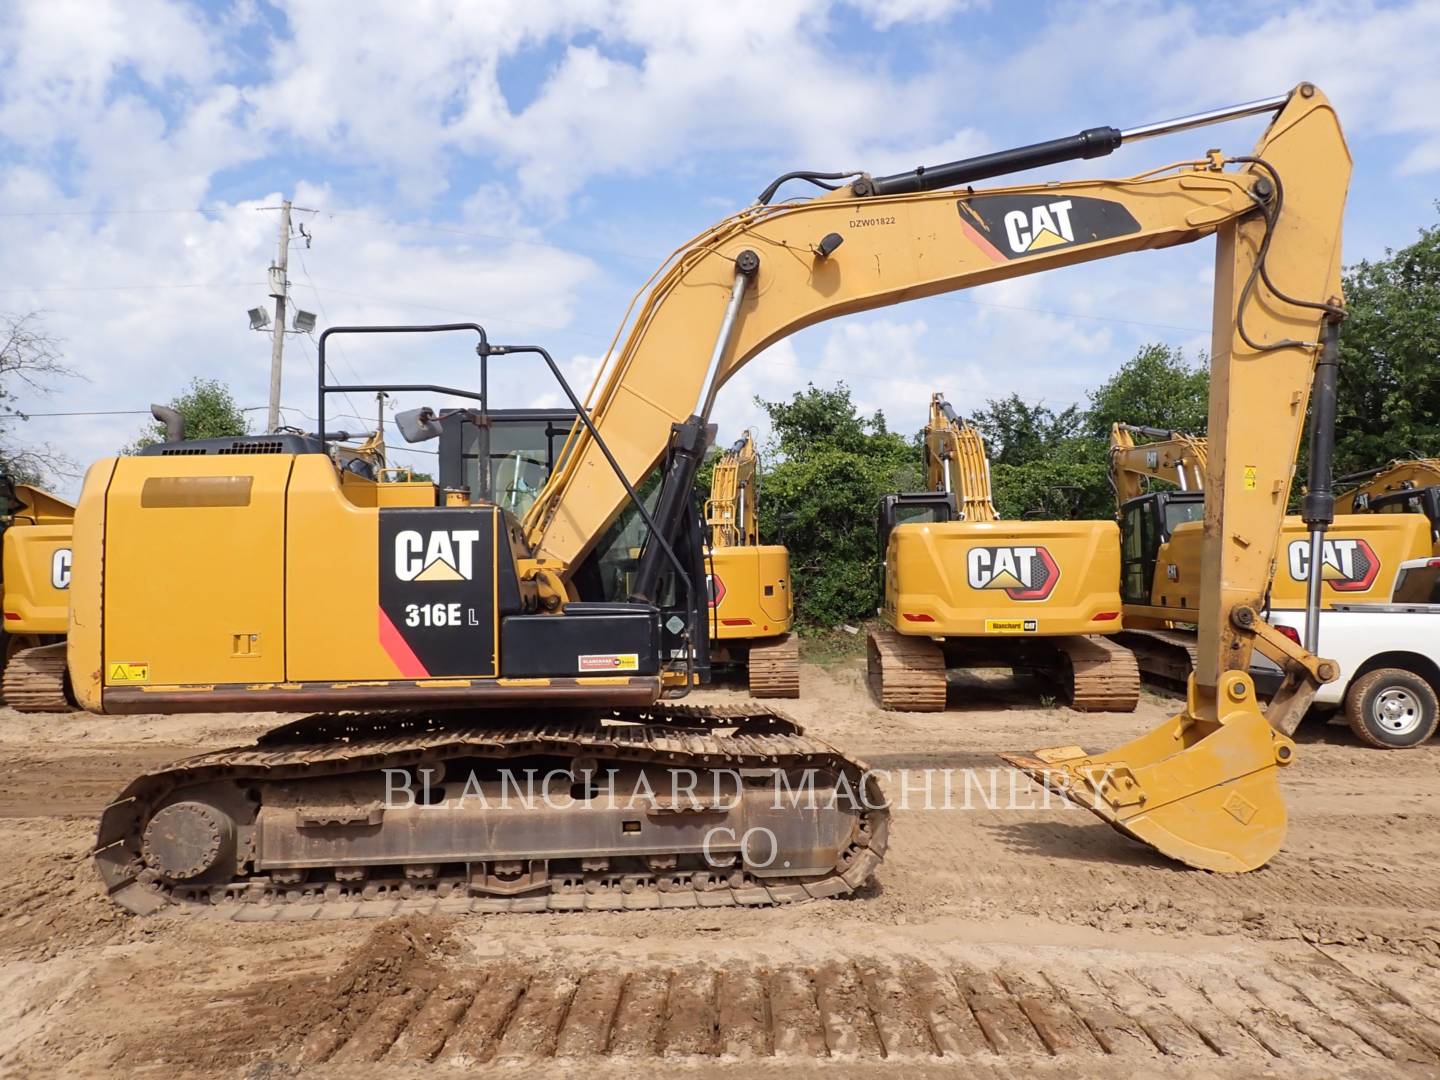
point(399, 649)
point(976, 237)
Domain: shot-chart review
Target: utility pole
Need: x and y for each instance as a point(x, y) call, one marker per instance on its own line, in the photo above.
point(277, 290)
point(380, 396)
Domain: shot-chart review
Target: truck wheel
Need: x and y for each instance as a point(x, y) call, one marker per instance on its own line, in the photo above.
point(1392, 709)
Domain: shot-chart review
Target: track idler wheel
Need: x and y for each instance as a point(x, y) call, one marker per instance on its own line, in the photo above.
point(187, 840)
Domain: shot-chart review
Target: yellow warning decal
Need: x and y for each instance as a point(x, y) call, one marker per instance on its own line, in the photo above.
point(1011, 626)
point(627, 661)
point(129, 672)
point(1250, 474)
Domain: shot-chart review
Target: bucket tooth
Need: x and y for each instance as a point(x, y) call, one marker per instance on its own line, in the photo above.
point(1204, 793)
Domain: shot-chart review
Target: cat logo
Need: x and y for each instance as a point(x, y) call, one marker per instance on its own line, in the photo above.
point(1011, 226)
point(1046, 225)
point(60, 564)
point(1025, 573)
point(1347, 565)
point(447, 555)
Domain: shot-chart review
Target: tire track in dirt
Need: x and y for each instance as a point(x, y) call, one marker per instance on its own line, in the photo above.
point(402, 1001)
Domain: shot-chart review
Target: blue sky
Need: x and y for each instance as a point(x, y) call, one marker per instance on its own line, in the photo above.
point(528, 165)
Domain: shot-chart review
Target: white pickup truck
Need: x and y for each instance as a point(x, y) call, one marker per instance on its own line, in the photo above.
point(1389, 657)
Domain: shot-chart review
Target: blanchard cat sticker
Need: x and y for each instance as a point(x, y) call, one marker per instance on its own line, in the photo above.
point(1008, 227)
point(609, 662)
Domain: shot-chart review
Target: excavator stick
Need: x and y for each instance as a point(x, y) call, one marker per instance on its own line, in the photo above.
point(1204, 795)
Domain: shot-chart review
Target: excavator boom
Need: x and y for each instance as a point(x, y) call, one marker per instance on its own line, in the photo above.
point(1169, 456)
point(730, 511)
point(955, 462)
point(1203, 789)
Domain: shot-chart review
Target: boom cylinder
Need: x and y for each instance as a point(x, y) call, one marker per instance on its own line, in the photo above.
point(1090, 143)
point(1318, 508)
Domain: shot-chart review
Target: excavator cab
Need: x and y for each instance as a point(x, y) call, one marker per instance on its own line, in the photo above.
point(913, 508)
point(1146, 524)
point(503, 456)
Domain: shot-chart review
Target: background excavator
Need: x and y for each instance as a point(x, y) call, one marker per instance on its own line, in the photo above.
point(1160, 500)
point(1406, 485)
point(964, 589)
point(751, 602)
point(35, 581)
point(297, 588)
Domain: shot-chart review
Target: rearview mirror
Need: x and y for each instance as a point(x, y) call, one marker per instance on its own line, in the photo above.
point(418, 425)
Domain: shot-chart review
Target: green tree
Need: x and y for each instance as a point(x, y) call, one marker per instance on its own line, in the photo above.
point(1389, 396)
point(1157, 387)
point(825, 472)
point(1018, 433)
point(1042, 463)
point(209, 410)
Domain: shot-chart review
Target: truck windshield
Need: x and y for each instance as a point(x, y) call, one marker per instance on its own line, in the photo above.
point(1418, 585)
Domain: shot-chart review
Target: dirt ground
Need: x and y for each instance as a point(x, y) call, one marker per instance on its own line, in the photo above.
point(999, 942)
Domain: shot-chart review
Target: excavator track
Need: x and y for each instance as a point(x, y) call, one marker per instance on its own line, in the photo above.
point(905, 673)
point(34, 680)
point(1103, 676)
point(348, 816)
point(774, 668)
point(1166, 657)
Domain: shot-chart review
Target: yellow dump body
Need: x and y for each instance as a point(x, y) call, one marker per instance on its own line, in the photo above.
point(1021, 578)
point(750, 591)
point(1362, 553)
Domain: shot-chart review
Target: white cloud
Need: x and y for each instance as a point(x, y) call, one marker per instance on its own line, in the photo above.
point(527, 109)
point(887, 13)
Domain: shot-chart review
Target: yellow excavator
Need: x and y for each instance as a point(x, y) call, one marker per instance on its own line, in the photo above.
point(1159, 487)
point(964, 589)
point(35, 582)
point(1406, 485)
point(447, 648)
point(751, 604)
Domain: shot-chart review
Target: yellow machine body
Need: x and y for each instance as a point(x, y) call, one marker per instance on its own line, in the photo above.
point(1361, 551)
point(751, 602)
point(37, 579)
point(1362, 554)
point(37, 563)
point(274, 560)
point(1003, 578)
point(750, 587)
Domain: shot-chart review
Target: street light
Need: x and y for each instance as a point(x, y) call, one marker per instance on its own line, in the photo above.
point(304, 321)
point(259, 318)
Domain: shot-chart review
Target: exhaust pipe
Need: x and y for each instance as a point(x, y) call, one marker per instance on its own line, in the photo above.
point(173, 421)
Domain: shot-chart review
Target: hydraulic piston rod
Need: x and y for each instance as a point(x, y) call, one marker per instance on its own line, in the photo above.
point(1090, 143)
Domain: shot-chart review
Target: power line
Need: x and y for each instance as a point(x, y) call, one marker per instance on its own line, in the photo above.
point(147, 288)
point(123, 211)
point(25, 415)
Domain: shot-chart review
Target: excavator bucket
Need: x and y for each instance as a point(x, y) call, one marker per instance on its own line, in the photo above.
point(1203, 792)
